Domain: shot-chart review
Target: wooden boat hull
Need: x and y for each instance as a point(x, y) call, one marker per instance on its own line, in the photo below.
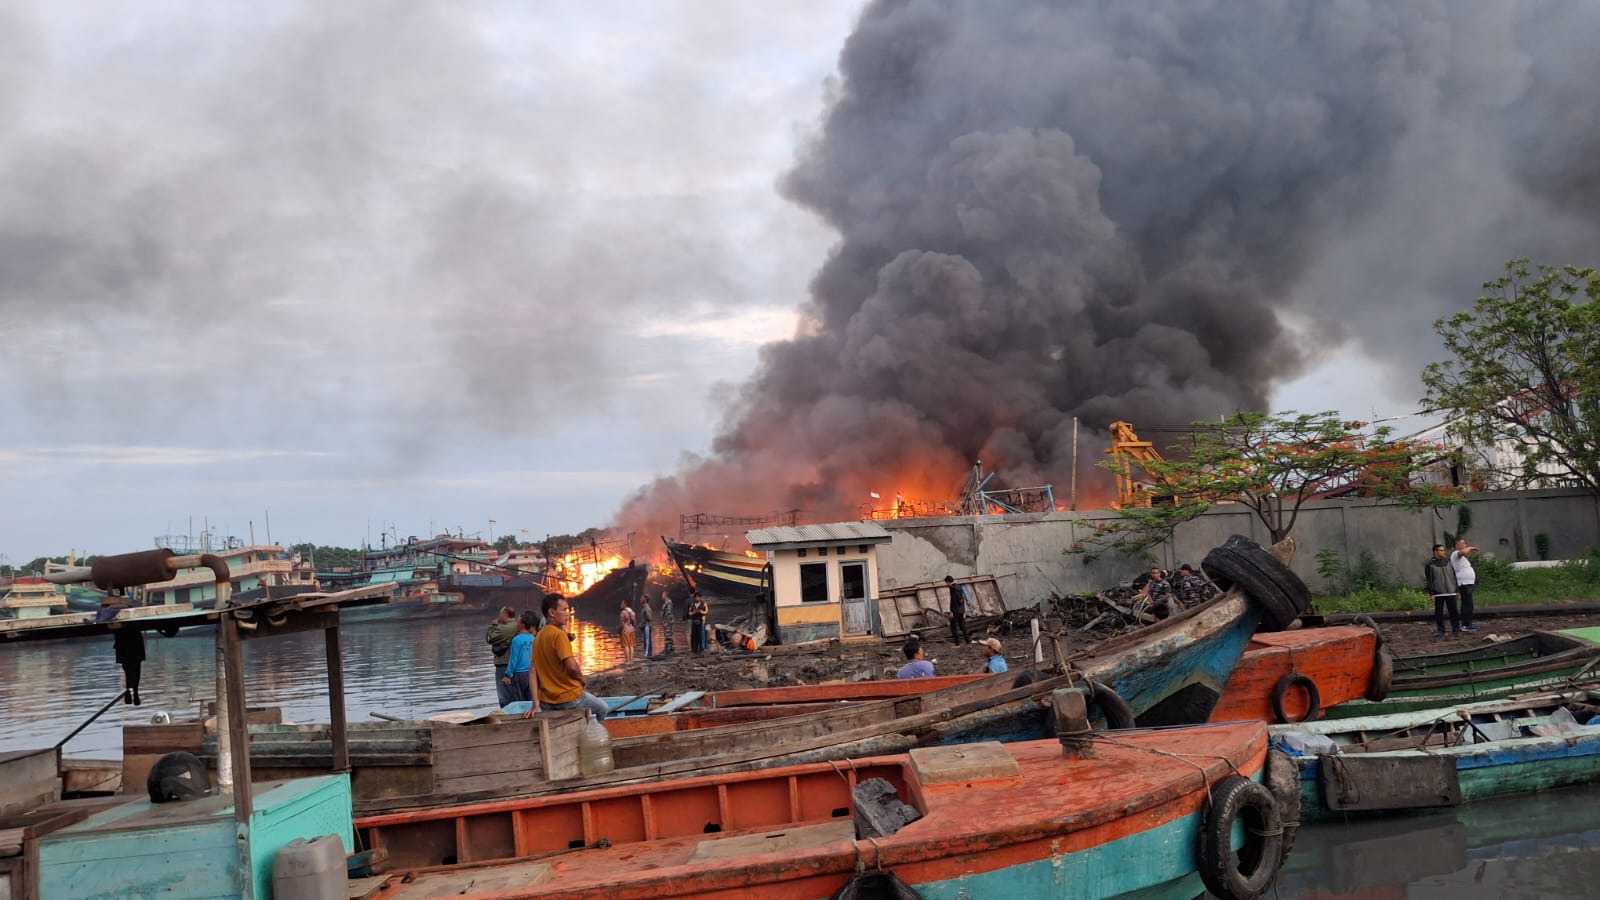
point(1543, 661)
point(1432, 758)
point(1124, 822)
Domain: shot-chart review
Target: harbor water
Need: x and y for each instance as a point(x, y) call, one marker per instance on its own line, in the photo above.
point(404, 668)
point(1539, 845)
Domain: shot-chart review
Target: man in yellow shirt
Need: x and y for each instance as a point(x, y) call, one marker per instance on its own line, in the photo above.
point(559, 682)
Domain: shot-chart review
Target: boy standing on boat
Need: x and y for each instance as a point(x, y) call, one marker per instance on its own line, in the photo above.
point(1440, 579)
point(1466, 581)
point(958, 611)
point(501, 631)
point(559, 681)
point(519, 660)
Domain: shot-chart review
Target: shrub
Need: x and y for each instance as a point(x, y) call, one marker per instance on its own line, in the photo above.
point(1494, 572)
point(1541, 545)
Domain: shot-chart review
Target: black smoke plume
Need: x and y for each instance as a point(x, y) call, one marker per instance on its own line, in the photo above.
point(1146, 211)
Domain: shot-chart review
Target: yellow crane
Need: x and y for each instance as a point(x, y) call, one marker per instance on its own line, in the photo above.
point(1125, 450)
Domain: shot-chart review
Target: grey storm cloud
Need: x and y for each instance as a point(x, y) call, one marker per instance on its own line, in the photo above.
point(1113, 210)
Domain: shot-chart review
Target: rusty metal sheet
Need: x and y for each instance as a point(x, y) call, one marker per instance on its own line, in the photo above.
point(1353, 781)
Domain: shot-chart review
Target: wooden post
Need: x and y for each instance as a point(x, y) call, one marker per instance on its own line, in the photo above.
point(341, 740)
point(238, 727)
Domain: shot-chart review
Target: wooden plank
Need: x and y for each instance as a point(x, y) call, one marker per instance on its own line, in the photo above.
point(159, 739)
point(28, 779)
point(679, 702)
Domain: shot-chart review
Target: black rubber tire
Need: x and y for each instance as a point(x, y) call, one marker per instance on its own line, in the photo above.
point(1268, 583)
point(1247, 876)
point(1117, 712)
point(1313, 697)
point(1382, 675)
point(1366, 620)
point(1283, 780)
point(1025, 678)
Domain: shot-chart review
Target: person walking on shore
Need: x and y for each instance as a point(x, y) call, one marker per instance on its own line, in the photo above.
point(626, 631)
point(698, 610)
point(1440, 579)
point(1466, 581)
point(666, 622)
point(958, 611)
point(498, 637)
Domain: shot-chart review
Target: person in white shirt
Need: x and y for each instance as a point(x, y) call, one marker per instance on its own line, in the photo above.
point(1466, 579)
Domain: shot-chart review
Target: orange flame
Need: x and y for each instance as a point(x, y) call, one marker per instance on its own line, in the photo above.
point(581, 569)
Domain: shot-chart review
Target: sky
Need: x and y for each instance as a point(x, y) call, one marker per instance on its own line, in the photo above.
point(349, 273)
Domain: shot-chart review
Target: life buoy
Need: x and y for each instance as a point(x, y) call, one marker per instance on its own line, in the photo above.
point(1313, 697)
point(1116, 710)
point(1382, 675)
point(1247, 874)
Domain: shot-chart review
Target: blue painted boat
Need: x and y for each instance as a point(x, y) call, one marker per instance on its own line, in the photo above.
point(983, 820)
point(1445, 757)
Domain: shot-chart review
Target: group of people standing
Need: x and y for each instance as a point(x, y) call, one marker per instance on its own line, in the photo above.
point(636, 629)
point(1448, 578)
point(536, 664)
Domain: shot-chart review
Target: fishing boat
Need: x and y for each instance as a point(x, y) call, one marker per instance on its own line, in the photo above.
point(721, 573)
point(1285, 676)
point(982, 820)
point(1541, 661)
point(1445, 757)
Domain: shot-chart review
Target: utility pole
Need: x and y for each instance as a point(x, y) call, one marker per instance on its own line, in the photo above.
point(1073, 504)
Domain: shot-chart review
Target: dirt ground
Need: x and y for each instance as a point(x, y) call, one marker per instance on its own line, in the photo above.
point(1415, 637)
point(781, 666)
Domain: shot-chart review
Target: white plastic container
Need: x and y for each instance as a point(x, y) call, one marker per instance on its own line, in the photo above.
point(310, 870)
point(594, 748)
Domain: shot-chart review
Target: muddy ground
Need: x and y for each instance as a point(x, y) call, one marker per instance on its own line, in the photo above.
point(781, 666)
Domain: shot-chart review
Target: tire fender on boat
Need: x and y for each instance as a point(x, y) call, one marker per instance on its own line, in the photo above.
point(1116, 710)
point(1283, 780)
point(1313, 697)
point(1271, 585)
point(1382, 675)
point(1247, 874)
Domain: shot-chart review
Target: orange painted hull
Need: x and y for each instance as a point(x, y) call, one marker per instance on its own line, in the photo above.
point(1337, 659)
point(1130, 813)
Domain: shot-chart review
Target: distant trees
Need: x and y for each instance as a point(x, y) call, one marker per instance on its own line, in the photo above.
point(327, 557)
point(1524, 374)
point(1274, 465)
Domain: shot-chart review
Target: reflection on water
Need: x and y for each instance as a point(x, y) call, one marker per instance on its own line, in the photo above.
point(1534, 845)
point(409, 668)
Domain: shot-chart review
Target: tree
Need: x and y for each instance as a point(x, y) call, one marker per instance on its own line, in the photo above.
point(1273, 464)
point(1524, 373)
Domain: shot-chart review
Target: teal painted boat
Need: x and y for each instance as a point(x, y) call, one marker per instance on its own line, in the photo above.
point(981, 820)
point(1541, 661)
point(1445, 757)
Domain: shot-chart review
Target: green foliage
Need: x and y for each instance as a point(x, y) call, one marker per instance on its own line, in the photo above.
point(1523, 368)
point(1378, 599)
point(326, 558)
point(1494, 573)
point(1274, 465)
point(1369, 574)
point(1541, 545)
point(1463, 520)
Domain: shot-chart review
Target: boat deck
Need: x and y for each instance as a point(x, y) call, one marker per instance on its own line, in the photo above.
point(790, 832)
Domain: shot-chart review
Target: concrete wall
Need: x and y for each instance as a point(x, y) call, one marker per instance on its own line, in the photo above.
point(1026, 554)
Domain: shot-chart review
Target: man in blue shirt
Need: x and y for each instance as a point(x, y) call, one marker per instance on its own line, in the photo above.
point(917, 665)
point(997, 661)
point(520, 661)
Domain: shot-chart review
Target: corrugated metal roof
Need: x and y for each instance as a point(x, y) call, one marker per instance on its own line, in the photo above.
point(831, 533)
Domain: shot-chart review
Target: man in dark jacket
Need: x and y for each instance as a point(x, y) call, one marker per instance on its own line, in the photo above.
point(1440, 580)
point(958, 611)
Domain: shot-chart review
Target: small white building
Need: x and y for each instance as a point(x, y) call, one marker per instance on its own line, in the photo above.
point(824, 578)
